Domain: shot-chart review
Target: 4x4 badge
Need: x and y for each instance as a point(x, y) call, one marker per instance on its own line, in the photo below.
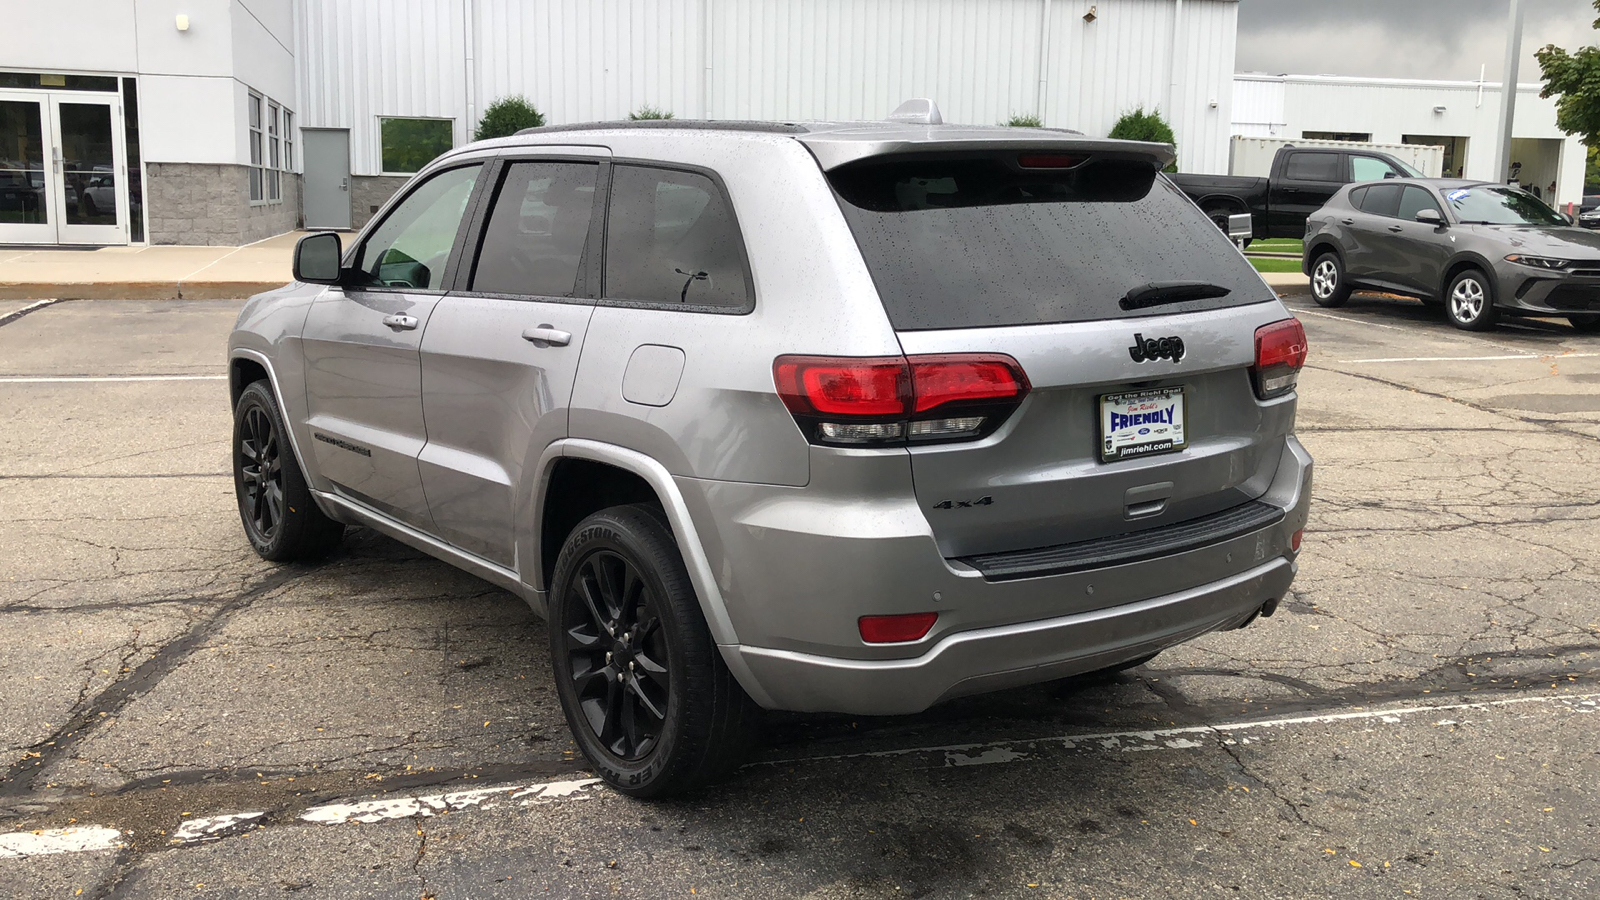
point(1156, 348)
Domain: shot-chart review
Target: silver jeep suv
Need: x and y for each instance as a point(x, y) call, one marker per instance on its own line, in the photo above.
point(823, 417)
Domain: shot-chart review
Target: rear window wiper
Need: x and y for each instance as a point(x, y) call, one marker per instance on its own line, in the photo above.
point(1160, 293)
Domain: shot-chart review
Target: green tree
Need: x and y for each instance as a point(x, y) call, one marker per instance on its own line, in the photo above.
point(1574, 79)
point(648, 112)
point(507, 116)
point(1148, 126)
point(1024, 120)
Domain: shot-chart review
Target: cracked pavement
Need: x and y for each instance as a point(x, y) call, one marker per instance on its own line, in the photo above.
point(155, 671)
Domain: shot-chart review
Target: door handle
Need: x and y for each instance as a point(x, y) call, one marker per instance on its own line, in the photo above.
point(1396, 229)
point(548, 334)
point(400, 322)
point(1347, 221)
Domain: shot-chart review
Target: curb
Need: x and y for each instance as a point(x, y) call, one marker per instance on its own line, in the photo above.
point(137, 290)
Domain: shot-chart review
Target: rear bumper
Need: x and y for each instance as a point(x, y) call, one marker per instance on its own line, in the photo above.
point(798, 649)
point(988, 659)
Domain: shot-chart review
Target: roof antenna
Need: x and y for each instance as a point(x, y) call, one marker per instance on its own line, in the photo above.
point(920, 111)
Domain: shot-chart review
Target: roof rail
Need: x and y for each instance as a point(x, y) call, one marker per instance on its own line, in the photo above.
point(674, 124)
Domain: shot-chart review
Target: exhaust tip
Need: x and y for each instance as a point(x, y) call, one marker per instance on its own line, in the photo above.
point(1269, 607)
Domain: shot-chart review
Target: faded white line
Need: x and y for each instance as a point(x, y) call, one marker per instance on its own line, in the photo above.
point(1298, 311)
point(366, 812)
point(58, 840)
point(215, 828)
point(1551, 357)
point(369, 811)
point(91, 379)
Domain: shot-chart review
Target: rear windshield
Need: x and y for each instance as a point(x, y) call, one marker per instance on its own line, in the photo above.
point(965, 242)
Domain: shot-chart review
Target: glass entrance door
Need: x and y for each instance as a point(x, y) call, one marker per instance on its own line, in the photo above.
point(25, 213)
point(89, 172)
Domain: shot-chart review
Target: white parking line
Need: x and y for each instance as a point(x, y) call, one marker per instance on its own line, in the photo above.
point(1400, 359)
point(89, 379)
point(366, 812)
point(1300, 311)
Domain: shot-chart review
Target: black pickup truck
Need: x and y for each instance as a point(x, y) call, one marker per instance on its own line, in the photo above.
point(1302, 180)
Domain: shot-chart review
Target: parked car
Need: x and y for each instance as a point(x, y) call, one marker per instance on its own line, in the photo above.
point(1479, 249)
point(804, 417)
point(1589, 211)
point(1301, 181)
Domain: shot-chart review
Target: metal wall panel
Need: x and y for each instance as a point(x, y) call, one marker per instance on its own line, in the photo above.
point(583, 60)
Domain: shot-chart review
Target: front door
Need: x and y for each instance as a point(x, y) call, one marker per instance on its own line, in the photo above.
point(360, 342)
point(501, 354)
point(63, 169)
point(91, 203)
point(327, 177)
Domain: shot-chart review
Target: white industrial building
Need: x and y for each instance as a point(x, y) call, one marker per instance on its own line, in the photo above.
point(1461, 116)
point(207, 121)
point(227, 121)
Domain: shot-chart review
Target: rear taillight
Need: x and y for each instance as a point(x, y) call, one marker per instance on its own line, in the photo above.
point(1280, 354)
point(899, 399)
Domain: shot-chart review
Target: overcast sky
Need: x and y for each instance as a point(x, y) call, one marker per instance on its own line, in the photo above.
point(1403, 38)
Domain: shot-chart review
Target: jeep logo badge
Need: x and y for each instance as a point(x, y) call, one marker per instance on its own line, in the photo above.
point(1156, 348)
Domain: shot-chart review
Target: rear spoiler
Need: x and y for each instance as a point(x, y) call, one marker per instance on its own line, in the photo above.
point(833, 149)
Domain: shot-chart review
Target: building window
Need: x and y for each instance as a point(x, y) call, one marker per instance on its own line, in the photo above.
point(258, 192)
point(410, 144)
point(274, 154)
point(288, 141)
point(1360, 137)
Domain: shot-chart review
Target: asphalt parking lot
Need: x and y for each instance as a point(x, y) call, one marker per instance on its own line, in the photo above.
point(180, 719)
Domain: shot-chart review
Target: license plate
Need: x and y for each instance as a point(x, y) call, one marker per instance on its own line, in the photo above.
point(1140, 423)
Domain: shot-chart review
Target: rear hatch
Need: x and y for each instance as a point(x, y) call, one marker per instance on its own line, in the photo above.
point(1131, 315)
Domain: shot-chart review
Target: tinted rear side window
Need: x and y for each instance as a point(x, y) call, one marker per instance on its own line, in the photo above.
point(1313, 167)
point(671, 240)
point(1382, 200)
point(975, 241)
point(534, 242)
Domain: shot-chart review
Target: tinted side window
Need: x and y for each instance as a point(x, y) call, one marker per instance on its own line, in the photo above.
point(1370, 168)
point(534, 241)
point(1313, 167)
point(1382, 200)
point(1415, 200)
point(1357, 196)
point(410, 247)
point(671, 239)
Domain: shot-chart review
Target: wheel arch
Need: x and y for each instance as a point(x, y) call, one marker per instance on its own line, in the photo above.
point(246, 367)
point(615, 475)
point(1320, 245)
point(1469, 260)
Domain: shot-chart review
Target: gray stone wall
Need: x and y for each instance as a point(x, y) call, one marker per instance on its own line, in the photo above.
point(368, 193)
point(201, 203)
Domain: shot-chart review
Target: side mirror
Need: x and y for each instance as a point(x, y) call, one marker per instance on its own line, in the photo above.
point(1430, 217)
point(316, 258)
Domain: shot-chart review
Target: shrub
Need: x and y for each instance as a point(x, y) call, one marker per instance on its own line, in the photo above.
point(648, 112)
point(1144, 126)
point(1024, 120)
point(507, 116)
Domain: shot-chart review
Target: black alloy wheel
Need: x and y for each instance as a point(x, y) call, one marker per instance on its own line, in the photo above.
point(279, 515)
point(618, 657)
point(643, 686)
point(260, 474)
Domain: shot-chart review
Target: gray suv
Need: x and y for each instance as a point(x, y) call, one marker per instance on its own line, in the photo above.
point(820, 417)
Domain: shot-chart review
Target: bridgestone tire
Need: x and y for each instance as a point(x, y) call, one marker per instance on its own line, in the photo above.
point(1328, 286)
point(294, 528)
point(620, 596)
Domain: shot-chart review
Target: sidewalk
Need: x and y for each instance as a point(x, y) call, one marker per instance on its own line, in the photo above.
point(147, 273)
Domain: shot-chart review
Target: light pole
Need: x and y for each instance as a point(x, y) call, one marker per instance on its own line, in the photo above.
point(1508, 93)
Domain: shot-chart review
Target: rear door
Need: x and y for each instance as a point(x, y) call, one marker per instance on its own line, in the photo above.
point(1117, 298)
point(1371, 254)
point(363, 371)
point(501, 352)
point(1308, 178)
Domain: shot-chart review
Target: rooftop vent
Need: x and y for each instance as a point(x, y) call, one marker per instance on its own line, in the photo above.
point(921, 111)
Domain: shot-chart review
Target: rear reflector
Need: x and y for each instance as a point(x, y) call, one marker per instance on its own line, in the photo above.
point(894, 399)
point(896, 629)
point(1280, 354)
point(1294, 540)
